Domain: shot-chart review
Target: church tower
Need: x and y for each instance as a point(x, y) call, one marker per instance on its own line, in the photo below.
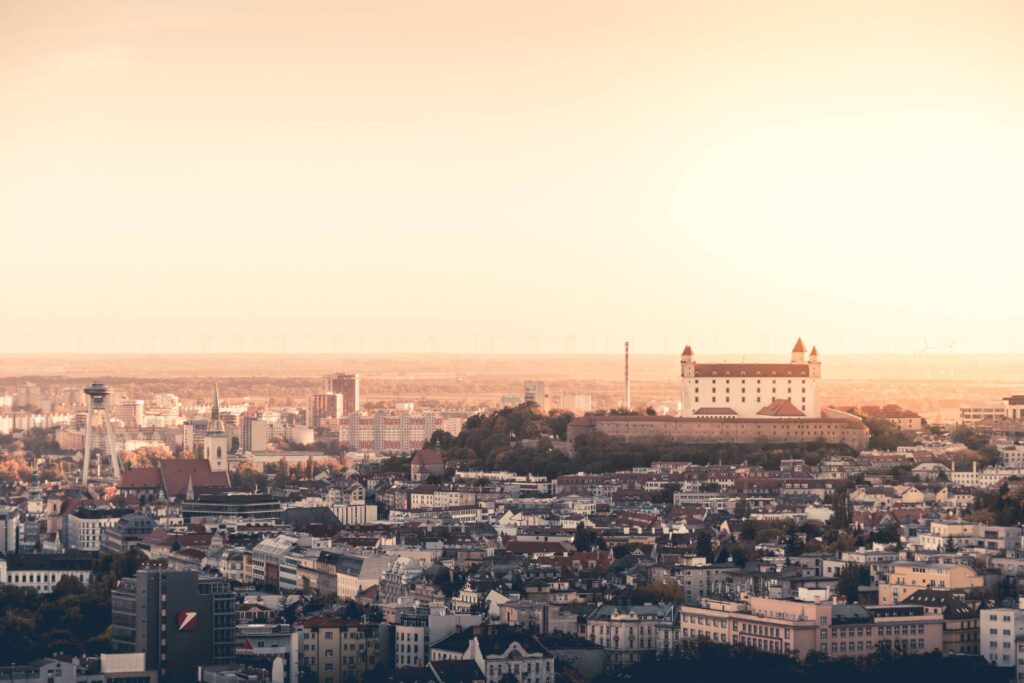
point(217, 442)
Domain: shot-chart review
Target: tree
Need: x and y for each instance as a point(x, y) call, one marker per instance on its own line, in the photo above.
point(885, 435)
point(742, 509)
point(842, 511)
point(969, 438)
point(851, 578)
point(704, 547)
point(586, 539)
point(794, 544)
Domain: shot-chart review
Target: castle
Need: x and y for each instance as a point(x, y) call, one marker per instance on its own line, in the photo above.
point(732, 390)
point(740, 403)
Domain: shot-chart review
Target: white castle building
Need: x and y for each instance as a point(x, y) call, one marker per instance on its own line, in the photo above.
point(751, 390)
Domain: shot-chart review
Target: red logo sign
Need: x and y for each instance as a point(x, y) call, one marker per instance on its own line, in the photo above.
point(187, 620)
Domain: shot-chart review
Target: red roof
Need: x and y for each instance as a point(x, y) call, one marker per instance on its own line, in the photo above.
point(176, 475)
point(427, 457)
point(715, 411)
point(781, 407)
point(814, 351)
point(751, 370)
point(687, 351)
point(140, 478)
point(799, 348)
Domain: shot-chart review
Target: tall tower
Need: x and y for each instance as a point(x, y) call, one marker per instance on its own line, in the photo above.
point(814, 370)
point(217, 443)
point(99, 400)
point(688, 372)
point(629, 400)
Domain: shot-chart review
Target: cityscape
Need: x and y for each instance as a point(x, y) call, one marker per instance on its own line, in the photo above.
point(465, 341)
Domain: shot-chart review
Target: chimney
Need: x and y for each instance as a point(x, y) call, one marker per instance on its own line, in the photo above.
point(629, 402)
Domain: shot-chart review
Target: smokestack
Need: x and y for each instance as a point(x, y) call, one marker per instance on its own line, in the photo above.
point(629, 402)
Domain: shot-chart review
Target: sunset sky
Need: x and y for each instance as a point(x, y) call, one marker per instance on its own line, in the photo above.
point(514, 176)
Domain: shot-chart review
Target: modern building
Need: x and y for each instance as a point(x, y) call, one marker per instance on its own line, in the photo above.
point(252, 507)
point(256, 434)
point(84, 527)
point(181, 620)
point(533, 390)
point(10, 518)
point(324, 407)
point(347, 386)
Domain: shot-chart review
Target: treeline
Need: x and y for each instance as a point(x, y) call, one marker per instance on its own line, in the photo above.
point(72, 619)
point(493, 442)
point(706, 662)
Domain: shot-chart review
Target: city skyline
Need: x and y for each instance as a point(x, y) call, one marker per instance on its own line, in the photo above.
point(510, 179)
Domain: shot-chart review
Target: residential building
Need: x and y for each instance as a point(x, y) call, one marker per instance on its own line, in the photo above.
point(907, 577)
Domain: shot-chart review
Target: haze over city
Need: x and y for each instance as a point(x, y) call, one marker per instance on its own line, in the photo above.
point(475, 177)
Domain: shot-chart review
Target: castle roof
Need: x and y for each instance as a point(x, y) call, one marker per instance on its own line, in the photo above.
point(781, 407)
point(687, 351)
point(799, 348)
point(751, 370)
point(814, 351)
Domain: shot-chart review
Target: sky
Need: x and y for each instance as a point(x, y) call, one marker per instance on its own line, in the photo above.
point(467, 176)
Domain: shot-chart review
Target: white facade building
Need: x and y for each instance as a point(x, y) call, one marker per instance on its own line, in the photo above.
point(751, 390)
point(999, 629)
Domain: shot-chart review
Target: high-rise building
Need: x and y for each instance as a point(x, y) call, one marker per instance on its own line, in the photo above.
point(256, 434)
point(533, 390)
point(347, 386)
point(181, 620)
point(324, 407)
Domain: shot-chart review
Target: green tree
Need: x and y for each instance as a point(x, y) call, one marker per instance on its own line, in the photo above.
point(851, 578)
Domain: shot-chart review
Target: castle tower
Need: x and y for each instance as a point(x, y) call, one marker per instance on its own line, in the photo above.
point(814, 379)
point(217, 442)
point(799, 352)
point(687, 363)
point(688, 372)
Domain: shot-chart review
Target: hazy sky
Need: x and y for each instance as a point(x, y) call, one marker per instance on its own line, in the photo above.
point(513, 176)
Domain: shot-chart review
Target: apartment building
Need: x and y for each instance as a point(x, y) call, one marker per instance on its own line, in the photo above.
point(627, 633)
point(999, 629)
point(907, 577)
point(338, 650)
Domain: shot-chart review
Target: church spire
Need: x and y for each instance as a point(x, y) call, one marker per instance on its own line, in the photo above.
point(215, 426)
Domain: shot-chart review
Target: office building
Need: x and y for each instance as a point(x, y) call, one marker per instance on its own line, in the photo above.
point(181, 620)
